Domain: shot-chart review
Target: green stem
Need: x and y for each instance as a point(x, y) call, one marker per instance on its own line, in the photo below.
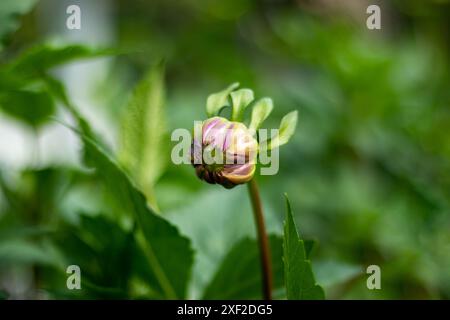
point(263, 240)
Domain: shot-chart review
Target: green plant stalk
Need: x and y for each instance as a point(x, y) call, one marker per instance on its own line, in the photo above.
point(263, 240)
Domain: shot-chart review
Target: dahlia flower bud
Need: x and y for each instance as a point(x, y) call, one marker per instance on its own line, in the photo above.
point(224, 152)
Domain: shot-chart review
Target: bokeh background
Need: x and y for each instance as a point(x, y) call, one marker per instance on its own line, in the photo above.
point(367, 171)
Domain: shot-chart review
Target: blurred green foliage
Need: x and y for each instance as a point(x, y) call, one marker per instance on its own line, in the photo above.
point(367, 170)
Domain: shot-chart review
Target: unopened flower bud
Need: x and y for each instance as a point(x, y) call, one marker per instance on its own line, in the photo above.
point(224, 152)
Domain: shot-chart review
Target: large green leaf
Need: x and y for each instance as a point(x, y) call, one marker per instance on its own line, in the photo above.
point(299, 277)
point(239, 275)
point(26, 88)
point(143, 151)
point(40, 58)
point(169, 254)
point(104, 252)
point(34, 107)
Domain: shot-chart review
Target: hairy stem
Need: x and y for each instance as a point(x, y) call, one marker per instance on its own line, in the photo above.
point(263, 241)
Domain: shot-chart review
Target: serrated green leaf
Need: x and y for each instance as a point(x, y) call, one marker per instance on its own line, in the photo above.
point(241, 99)
point(143, 151)
point(169, 254)
point(285, 131)
point(239, 275)
point(298, 274)
point(309, 247)
point(218, 100)
point(261, 110)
